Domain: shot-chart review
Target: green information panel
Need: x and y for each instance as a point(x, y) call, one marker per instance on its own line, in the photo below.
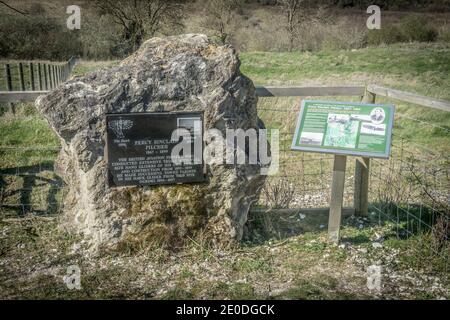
point(345, 128)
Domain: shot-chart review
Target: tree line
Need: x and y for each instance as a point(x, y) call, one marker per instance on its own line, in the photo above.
point(116, 28)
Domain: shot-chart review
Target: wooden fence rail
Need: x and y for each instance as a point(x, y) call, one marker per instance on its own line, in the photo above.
point(20, 96)
point(368, 92)
point(409, 97)
point(271, 91)
point(39, 76)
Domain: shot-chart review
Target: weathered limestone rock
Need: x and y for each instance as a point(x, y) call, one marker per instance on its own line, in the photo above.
point(182, 73)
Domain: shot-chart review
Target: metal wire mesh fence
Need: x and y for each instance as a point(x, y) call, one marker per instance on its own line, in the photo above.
point(304, 179)
point(410, 192)
point(28, 183)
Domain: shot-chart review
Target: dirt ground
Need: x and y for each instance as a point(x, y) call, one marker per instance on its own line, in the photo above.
point(35, 256)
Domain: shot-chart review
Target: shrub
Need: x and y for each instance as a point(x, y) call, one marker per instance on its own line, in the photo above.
point(410, 29)
point(385, 35)
point(417, 28)
point(444, 35)
point(342, 35)
point(101, 38)
point(36, 37)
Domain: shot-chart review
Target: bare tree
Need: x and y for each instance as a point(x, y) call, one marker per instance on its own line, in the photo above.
point(220, 16)
point(142, 18)
point(13, 8)
point(292, 12)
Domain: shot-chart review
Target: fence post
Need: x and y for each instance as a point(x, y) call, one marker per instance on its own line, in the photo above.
point(41, 88)
point(52, 71)
point(51, 76)
point(22, 79)
point(49, 73)
point(46, 80)
point(33, 87)
point(50, 81)
point(8, 78)
point(337, 197)
point(55, 79)
point(362, 174)
point(9, 86)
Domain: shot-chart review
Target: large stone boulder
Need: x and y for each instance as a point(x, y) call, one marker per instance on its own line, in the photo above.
point(181, 73)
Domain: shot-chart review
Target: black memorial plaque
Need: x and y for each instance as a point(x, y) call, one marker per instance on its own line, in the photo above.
point(139, 148)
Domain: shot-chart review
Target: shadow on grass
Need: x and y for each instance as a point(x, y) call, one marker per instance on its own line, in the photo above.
point(407, 219)
point(404, 221)
point(26, 183)
point(282, 224)
point(359, 239)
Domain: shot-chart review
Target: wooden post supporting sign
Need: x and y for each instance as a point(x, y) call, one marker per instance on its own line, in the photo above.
point(337, 197)
point(362, 174)
point(361, 194)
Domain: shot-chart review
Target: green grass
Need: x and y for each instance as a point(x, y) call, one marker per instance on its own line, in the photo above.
point(29, 131)
point(84, 67)
point(422, 64)
point(23, 131)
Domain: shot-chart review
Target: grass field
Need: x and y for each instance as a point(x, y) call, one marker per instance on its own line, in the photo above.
point(34, 253)
point(425, 66)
